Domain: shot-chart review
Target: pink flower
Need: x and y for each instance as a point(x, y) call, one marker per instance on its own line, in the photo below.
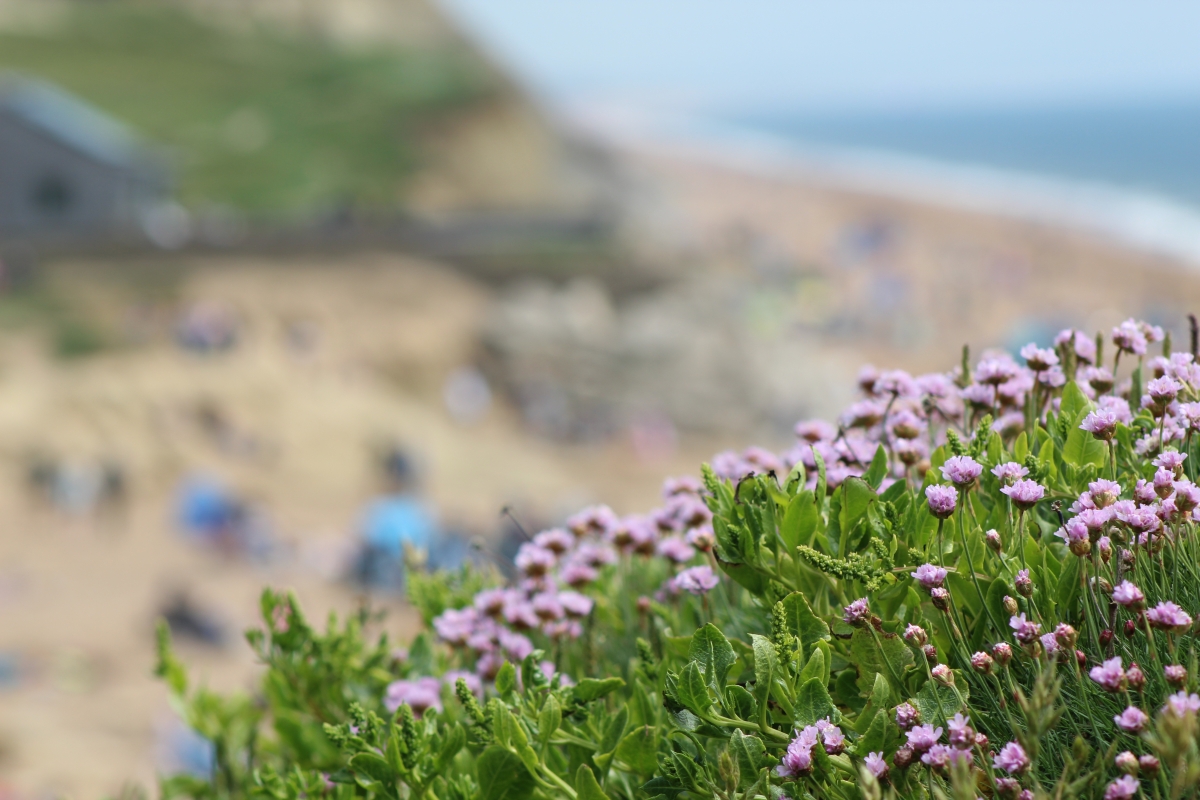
point(1128, 337)
point(1168, 616)
point(1163, 390)
point(595, 520)
point(856, 612)
point(575, 604)
point(689, 485)
point(1038, 359)
point(1110, 675)
point(815, 430)
point(1025, 494)
point(533, 560)
point(472, 680)
point(1104, 492)
point(797, 761)
point(1123, 788)
point(547, 607)
point(1009, 472)
point(1024, 630)
point(556, 541)
point(962, 471)
point(575, 574)
point(1011, 759)
point(1132, 720)
point(1171, 460)
point(961, 734)
point(923, 737)
point(876, 765)
point(675, 549)
point(907, 716)
point(454, 626)
point(702, 538)
point(1181, 704)
point(696, 580)
point(929, 576)
point(1100, 424)
point(421, 694)
point(942, 500)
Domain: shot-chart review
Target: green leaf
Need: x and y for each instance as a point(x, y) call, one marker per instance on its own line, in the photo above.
point(876, 735)
point(740, 703)
point(639, 749)
point(613, 731)
point(814, 667)
point(374, 767)
point(589, 689)
point(749, 753)
point(812, 703)
point(878, 469)
point(712, 651)
point(502, 776)
point(802, 622)
point(1021, 448)
point(506, 679)
point(1082, 449)
point(456, 739)
point(857, 497)
point(931, 695)
point(1068, 586)
point(822, 486)
point(800, 521)
point(876, 657)
point(692, 691)
point(549, 719)
point(1074, 405)
point(765, 666)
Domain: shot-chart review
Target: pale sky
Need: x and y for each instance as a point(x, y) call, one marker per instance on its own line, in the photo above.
point(843, 54)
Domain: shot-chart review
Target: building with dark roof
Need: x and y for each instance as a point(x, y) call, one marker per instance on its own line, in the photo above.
point(66, 168)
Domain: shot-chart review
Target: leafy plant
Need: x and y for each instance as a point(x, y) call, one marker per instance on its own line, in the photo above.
point(974, 585)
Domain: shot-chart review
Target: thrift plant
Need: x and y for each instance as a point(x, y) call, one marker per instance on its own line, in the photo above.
point(980, 583)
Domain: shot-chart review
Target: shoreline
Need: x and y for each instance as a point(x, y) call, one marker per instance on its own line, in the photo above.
point(1143, 221)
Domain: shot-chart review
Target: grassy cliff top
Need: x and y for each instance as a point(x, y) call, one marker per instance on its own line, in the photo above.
point(265, 121)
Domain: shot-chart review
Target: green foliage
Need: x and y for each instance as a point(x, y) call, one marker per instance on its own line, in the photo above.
point(817, 623)
point(258, 121)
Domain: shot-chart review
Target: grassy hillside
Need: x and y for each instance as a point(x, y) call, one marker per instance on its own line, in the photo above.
point(257, 120)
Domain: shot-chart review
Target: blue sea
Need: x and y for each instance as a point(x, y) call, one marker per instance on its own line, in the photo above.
point(1149, 148)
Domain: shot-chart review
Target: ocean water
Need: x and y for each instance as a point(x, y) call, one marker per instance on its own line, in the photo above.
point(1149, 149)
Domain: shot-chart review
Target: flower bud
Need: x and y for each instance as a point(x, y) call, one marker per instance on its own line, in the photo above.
point(1106, 637)
point(981, 741)
point(1130, 628)
point(1081, 658)
point(907, 716)
point(1065, 635)
point(1078, 547)
point(931, 654)
point(1102, 585)
point(1002, 652)
point(941, 598)
point(643, 604)
point(982, 663)
point(943, 675)
point(1136, 678)
point(1008, 788)
point(904, 756)
point(1010, 606)
point(1024, 584)
point(1127, 762)
point(916, 636)
point(1175, 675)
point(1149, 765)
point(993, 541)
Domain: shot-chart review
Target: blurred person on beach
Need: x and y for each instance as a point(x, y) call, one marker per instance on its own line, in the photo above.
point(395, 528)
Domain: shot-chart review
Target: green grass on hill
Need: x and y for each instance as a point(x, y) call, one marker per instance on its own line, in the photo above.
point(257, 120)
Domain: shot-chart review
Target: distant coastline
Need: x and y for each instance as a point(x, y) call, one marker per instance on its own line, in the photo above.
point(1142, 220)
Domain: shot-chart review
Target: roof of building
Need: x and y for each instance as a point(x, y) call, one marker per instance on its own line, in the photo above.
point(71, 121)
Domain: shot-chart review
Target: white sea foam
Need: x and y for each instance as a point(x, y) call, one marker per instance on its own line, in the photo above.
point(1141, 220)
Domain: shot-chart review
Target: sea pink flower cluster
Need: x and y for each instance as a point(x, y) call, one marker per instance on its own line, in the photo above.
point(798, 760)
point(558, 565)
